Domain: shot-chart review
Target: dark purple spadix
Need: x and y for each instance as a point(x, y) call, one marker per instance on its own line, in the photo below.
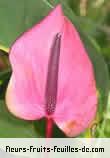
point(52, 76)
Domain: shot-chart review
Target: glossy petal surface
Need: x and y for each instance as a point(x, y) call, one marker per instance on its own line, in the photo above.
point(77, 100)
point(29, 59)
point(29, 56)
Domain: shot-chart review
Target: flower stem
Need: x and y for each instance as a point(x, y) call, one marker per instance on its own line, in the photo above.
point(49, 127)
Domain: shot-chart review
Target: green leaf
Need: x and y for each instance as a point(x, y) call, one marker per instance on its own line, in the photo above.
point(13, 127)
point(16, 16)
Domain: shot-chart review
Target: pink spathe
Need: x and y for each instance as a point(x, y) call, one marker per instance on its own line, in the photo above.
point(76, 97)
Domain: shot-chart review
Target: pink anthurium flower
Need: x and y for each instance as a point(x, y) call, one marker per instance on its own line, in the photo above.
point(52, 76)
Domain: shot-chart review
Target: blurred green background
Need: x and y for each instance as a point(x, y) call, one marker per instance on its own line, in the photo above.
point(92, 20)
